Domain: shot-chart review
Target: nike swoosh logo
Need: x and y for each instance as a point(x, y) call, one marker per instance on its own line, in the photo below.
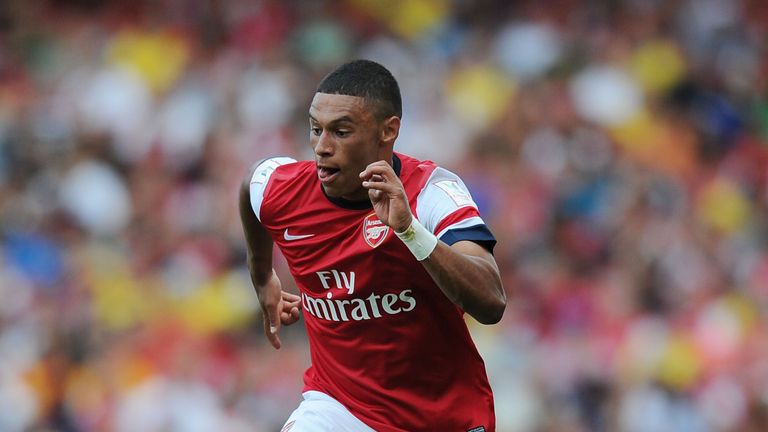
point(291, 237)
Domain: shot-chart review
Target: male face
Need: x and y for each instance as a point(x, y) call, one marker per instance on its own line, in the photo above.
point(346, 136)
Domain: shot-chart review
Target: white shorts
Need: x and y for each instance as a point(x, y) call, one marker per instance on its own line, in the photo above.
point(319, 412)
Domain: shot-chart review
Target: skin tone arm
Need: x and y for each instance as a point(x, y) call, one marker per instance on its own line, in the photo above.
point(278, 307)
point(465, 271)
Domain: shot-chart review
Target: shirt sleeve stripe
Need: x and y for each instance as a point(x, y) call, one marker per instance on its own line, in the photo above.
point(457, 216)
point(466, 223)
point(479, 234)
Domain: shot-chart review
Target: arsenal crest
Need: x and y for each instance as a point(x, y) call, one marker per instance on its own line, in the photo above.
point(374, 230)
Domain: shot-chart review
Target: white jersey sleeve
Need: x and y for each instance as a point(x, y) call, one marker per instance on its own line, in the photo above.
point(445, 204)
point(260, 179)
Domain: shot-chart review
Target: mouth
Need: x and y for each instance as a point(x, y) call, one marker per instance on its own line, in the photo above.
point(327, 174)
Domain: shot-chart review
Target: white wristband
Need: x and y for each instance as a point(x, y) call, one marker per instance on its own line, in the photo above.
point(419, 241)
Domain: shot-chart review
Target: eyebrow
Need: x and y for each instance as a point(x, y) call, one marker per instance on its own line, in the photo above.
point(342, 119)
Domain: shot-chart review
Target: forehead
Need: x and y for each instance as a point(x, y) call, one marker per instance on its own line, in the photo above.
point(329, 107)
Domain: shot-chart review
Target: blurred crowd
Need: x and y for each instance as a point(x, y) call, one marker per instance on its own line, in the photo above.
point(618, 150)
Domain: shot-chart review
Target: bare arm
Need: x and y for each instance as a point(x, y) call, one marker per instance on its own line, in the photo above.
point(278, 307)
point(465, 272)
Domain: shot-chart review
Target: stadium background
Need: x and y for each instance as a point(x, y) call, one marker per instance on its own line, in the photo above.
point(618, 150)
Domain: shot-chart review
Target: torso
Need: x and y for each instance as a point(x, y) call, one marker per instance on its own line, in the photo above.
point(384, 340)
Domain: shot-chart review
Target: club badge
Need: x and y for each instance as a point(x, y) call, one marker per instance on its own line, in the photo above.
point(374, 230)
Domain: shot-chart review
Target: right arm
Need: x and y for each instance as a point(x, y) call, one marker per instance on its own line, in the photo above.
point(277, 306)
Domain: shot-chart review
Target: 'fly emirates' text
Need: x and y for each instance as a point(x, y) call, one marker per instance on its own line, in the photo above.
point(356, 309)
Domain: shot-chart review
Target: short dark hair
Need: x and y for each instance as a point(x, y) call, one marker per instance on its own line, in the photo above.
point(366, 79)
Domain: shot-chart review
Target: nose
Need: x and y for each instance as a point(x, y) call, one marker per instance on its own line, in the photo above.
point(323, 145)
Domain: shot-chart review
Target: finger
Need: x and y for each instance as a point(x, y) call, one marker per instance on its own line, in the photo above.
point(379, 163)
point(290, 308)
point(288, 305)
point(381, 168)
point(375, 170)
point(290, 297)
point(388, 188)
point(290, 317)
point(271, 335)
point(375, 195)
point(290, 312)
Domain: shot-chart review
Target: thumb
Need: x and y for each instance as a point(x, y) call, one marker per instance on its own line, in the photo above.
point(272, 326)
point(273, 320)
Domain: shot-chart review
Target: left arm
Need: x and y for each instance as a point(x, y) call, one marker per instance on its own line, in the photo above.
point(465, 272)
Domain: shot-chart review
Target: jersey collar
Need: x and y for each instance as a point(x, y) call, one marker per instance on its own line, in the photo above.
point(365, 204)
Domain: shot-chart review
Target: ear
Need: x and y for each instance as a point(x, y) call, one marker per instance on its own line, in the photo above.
point(390, 130)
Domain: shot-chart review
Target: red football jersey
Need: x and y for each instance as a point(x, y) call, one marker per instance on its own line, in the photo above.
point(384, 340)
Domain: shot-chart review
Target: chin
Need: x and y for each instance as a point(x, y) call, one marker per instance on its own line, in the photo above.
point(348, 194)
point(332, 192)
point(336, 192)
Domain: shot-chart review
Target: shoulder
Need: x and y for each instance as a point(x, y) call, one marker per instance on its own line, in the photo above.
point(428, 173)
point(441, 193)
point(444, 205)
point(414, 173)
point(447, 185)
point(262, 170)
point(265, 172)
point(412, 166)
point(431, 177)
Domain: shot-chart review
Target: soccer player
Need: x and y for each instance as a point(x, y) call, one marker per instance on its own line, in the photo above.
point(388, 252)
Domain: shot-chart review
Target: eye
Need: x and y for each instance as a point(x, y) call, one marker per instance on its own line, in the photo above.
point(341, 133)
point(316, 131)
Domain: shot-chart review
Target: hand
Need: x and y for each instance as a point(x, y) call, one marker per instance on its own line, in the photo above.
point(277, 303)
point(387, 195)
